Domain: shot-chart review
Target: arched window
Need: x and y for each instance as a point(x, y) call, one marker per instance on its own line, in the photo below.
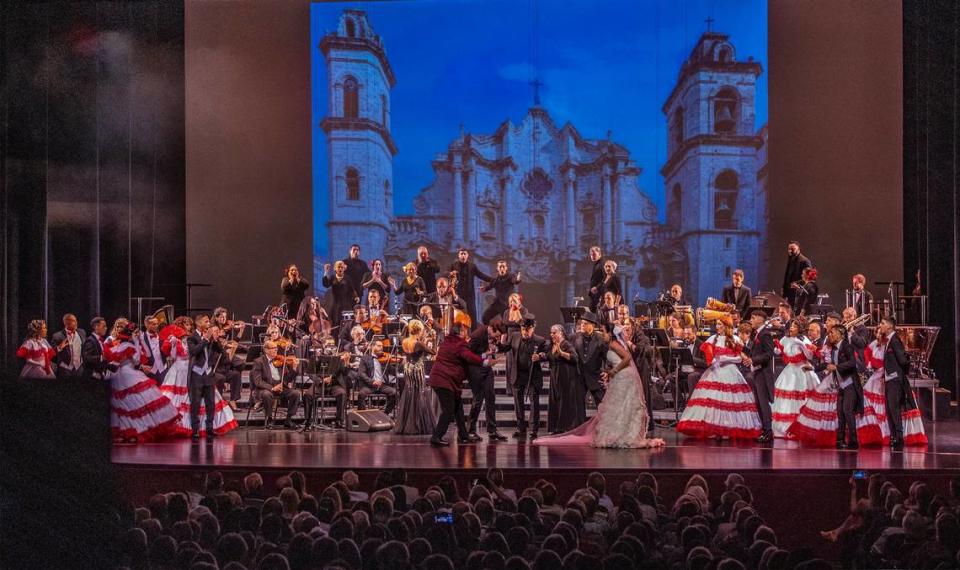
point(725, 55)
point(351, 98)
point(353, 184)
point(725, 200)
point(675, 214)
point(726, 111)
point(676, 126)
point(351, 28)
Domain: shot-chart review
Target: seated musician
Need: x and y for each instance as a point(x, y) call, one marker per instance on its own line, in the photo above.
point(372, 377)
point(228, 369)
point(623, 315)
point(674, 328)
point(375, 307)
point(273, 377)
point(676, 295)
point(690, 374)
point(607, 311)
point(361, 318)
point(430, 324)
point(312, 317)
point(443, 301)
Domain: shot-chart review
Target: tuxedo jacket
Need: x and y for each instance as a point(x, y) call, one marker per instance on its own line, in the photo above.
point(535, 368)
point(591, 353)
point(66, 355)
point(847, 367)
point(760, 349)
point(262, 377)
point(92, 357)
point(198, 348)
point(896, 361)
point(740, 298)
point(366, 370)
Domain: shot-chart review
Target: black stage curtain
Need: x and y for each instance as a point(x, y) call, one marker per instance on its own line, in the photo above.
point(92, 170)
point(931, 172)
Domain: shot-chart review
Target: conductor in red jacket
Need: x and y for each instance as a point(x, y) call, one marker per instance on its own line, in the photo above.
point(447, 377)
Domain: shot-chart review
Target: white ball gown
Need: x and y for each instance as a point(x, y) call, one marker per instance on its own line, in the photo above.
point(176, 386)
point(138, 410)
point(794, 385)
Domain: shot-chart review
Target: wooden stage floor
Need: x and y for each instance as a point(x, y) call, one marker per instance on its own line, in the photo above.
point(255, 448)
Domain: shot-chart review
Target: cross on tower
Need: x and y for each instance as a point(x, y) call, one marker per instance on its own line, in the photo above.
point(536, 83)
point(709, 22)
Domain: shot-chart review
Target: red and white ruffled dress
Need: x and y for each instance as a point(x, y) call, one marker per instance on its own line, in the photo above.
point(817, 421)
point(722, 404)
point(176, 386)
point(874, 396)
point(795, 383)
point(138, 410)
point(38, 355)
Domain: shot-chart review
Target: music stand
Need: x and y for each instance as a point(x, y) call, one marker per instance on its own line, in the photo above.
point(323, 365)
point(676, 359)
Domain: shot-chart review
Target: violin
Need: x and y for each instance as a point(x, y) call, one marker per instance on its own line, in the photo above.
point(387, 358)
point(288, 361)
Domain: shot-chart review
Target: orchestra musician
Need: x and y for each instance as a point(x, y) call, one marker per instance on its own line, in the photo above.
point(229, 367)
point(676, 296)
point(815, 334)
point(597, 275)
point(737, 294)
point(862, 298)
point(342, 295)
point(292, 289)
point(432, 328)
point(427, 269)
point(311, 317)
point(607, 312)
point(377, 280)
point(805, 292)
point(860, 335)
point(796, 263)
point(356, 269)
point(690, 373)
point(675, 330)
point(273, 377)
point(68, 363)
point(467, 272)
point(412, 288)
point(204, 348)
point(443, 301)
point(360, 319)
point(503, 287)
point(372, 378)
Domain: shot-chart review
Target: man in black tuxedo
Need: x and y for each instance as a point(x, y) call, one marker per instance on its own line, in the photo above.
point(427, 269)
point(68, 362)
point(94, 366)
point(842, 364)
point(467, 272)
point(896, 363)
point(482, 341)
point(690, 374)
point(861, 297)
point(597, 276)
point(591, 354)
point(737, 294)
point(528, 352)
point(796, 263)
point(758, 356)
point(272, 382)
point(372, 378)
point(150, 341)
point(204, 349)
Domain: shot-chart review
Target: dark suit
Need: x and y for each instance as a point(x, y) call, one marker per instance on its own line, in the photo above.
point(428, 270)
point(292, 294)
point(261, 376)
point(613, 286)
point(526, 376)
point(591, 354)
point(434, 299)
point(202, 383)
point(356, 269)
point(155, 358)
point(760, 349)
point(366, 373)
point(896, 385)
point(691, 377)
point(862, 304)
point(466, 290)
point(94, 366)
point(63, 358)
point(341, 296)
point(793, 272)
point(596, 279)
point(642, 354)
point(739, 296)
point(850, 399)
point(481, 383)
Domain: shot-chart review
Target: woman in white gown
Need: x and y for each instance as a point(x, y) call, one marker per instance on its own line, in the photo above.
point(621, 419)
point(796, 382)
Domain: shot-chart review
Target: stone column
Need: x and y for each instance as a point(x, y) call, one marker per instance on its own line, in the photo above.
point(470, 187)
point(505, 225)
point(457, 202)
point(570, 217)
point(607, 208)
point(620, 206)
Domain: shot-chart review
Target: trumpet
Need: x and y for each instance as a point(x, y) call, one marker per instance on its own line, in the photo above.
point(853, 323)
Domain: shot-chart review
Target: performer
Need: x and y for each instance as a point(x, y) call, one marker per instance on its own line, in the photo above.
point(567, 404)
point(723, 404)
point(515, 312)
point(805, 292)
point(151, 346)
point(176, 381)
point(37, 351)
point(759, 358)
point(443, 302)
point(674, 329)
point(68, 361)
point(875, 392)
point(346, 377)
point(427, 269)
point(227, 369)
point(372, 377)
point(676, 296)
point(690, 373)
point(273, 377)
point(418, 407)
point(356, 270)
point(204, 348)
point(611, 281)
point(139, 411)
point(796, 381)
point(483, 341)
point(737, 294)
point(591, 353)
point(360, 319)
point(446, 379)
point(815, 335)
point(527, 351)
point(432, 328)
point(94, 365)
point(292, 289)
point(342, 295)
point(621, 419)
point(623, 315)
point(796, 263)
point(467, 271)
point(502, 286)
point(607, 311)
point(412, 287)
point(597, 275)
point(858, 335)
point(843, 366)
point(638, 345)
point(862, 298)
point(897, 390)
point(377, 280)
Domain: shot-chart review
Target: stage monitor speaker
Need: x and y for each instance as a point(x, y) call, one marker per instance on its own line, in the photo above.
point(368, 420)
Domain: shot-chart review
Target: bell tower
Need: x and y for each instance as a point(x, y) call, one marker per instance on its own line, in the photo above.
point(360, 148)
point(714, 204)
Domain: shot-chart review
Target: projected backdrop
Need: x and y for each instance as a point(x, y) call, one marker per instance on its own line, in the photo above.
point(530, 132)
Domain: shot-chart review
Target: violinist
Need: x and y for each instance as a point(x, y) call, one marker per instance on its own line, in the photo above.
point(229, 365)
point(372, 377)
point(273, 376)
point(431, 327)
point(283, 344)
point(412, 287)
point(341, 292)
point(361, 320)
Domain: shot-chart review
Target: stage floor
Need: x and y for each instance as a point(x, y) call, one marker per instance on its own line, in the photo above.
point(255, 448)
